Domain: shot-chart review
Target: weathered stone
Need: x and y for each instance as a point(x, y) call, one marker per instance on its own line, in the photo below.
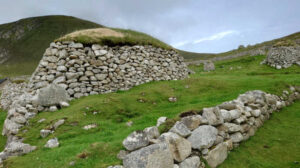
point(90, 126)
point(236, 137)
point(136, 140)
point(217, 155)
point(44, 133)
point(161, 120)
point(179, 147)
point(191, 162)
point(203, 137)
point(100, 52)
point(153, 156)
point(52, 143)
point(180, 129)
point(101, 76)
point(16, 148)
point(58, 123)
point(213, 116)
point(233, 127)
point(152, 132)
point(51, 95)
point(192, 122)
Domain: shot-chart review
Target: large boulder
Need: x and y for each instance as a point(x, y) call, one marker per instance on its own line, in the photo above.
point(217, 155)
point(51, 95)
point(153, 156)
point(179, 147)
point(203, 137)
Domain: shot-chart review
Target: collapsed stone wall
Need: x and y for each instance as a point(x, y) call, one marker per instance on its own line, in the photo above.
point(283, 57)
point(71, 70)
point(210, 134)
point(84, 70)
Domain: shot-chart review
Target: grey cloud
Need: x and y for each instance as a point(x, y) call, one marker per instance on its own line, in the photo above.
point(176, 21)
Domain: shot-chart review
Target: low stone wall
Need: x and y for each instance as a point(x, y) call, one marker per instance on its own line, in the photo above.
point(252, 52)
point(84, 70)
point(210, 134)
point(283, 57)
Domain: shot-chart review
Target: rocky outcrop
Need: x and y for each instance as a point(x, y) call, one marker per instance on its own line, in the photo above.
point(283, 56)
point(209, 135)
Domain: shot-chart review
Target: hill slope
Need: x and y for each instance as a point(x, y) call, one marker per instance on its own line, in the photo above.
point(25, 41)
point(287, 40)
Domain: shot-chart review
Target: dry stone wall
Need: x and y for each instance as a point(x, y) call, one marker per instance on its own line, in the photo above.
point(84, 70)
point(70, 70)
point(209, 135)
point(283, 57)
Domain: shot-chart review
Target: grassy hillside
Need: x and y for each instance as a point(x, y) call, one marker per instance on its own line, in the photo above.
point(97, 148)
point(27, 39)
point(287, 40)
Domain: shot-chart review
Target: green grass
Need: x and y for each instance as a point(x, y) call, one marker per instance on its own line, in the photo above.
point(130, 38)
point(2, 138)
point(205, 89)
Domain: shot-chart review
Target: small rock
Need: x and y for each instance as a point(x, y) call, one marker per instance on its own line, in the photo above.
point(44, 133)
point(152, 132)
point(64, 104)
point(129, 123)
point(58, 123)
point(172, 99)
point(161, 120)
point(90, 126)
point(52, 143)
point(53, 108)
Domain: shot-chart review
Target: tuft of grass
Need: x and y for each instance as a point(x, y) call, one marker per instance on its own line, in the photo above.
point(114, 110)
point(116, 37)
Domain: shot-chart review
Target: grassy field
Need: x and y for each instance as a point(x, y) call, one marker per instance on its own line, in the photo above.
point(97, 148)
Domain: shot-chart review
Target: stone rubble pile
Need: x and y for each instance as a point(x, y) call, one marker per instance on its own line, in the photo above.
point(69, 70)
point(100, 69)
point(209, 135)
point(283, 57)
point(10, 92)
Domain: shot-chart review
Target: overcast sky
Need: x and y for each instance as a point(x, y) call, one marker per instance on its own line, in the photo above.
point(192, 25)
